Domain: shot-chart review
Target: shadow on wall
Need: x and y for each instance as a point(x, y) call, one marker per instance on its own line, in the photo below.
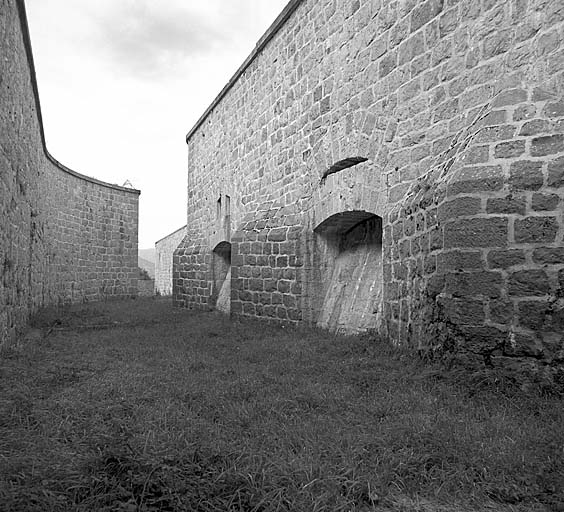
point(350, 271)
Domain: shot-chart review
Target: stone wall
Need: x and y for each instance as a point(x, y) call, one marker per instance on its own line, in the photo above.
point(146, 287)
point(478, 240)
point(164, 249)
point(397, 166)
point(64, 237)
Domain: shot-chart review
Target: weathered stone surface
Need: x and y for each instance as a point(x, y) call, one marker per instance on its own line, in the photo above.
point(549, 255)
point(509, 149)
point(533, 315)
point(519, 344)
point(549, 145)
point(501, 311)
point(473, 284)
point(556, 173)
point(506, 259)
point(545, 202)
point(461, 311)
point(510, 97)
point(528, 283)
point(536, 229)
point(459, 207)
point(535, 127)
point(506, 205)
point(424, 13)
point(526, 175)
point(460, 260)
point(480, 232)
point(477, 179)
point(554, 109)
point(482, 340)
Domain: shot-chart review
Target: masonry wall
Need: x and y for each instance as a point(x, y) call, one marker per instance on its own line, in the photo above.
point(64, 237)
point(435, 131)
point(164, 250)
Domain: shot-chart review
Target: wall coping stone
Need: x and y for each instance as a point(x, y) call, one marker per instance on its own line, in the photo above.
point(27, 45)
point(277, 24)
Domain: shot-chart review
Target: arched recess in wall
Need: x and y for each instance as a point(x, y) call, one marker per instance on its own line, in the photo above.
point(350, 276)
point(221, 275)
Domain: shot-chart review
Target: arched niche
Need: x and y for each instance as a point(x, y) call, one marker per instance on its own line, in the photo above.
point(349, 272)
point(221, 275)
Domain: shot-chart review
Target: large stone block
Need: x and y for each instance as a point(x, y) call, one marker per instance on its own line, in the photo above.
point(526, 175)
point(528, 282)
point(548, 145)
point(536, 229)
point(476, 179)
point(478, 232)
point(474, 284)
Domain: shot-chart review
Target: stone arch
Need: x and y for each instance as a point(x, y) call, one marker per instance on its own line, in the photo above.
point(221, 276)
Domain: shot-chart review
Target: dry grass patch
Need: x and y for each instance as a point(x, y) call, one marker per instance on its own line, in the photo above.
point(134, 406)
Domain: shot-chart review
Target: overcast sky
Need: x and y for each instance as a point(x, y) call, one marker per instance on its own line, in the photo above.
point(121, 82)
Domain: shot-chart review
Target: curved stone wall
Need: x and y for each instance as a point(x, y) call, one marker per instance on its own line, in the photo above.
point(452, 112)
point(64, 237)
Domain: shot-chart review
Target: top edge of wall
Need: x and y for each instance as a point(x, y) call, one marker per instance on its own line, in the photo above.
point(27, 44)
point(278, 23)
point(183, 228)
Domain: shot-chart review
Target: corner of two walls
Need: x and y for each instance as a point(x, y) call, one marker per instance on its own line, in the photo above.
point(475, 260)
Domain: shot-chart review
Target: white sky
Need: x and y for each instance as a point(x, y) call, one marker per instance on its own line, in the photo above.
point(121, 82)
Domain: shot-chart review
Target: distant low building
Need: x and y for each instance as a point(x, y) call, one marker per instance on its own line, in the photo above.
point(165, 248)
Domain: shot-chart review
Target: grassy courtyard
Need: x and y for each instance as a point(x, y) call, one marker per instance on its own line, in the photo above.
point(134, 406)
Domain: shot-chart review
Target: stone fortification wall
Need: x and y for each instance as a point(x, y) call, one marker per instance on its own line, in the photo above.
point(391, 165)
point(64, 237)
point(164, 250)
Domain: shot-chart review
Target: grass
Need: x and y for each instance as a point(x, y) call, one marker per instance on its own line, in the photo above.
point(134, 406)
